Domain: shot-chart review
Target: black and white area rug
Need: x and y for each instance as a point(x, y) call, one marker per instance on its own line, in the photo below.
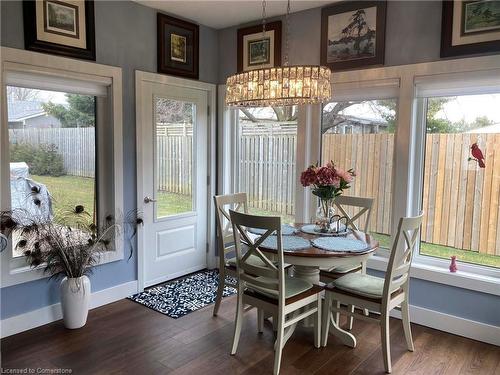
point(180, 297)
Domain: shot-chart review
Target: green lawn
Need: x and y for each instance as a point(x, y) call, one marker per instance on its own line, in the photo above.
point(68, 191)
point(446, 252)
point(172, 204)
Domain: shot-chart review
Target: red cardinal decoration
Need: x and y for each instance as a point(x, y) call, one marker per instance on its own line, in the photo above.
point(477, 155)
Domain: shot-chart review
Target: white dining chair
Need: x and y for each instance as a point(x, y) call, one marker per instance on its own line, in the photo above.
point(268, 287)
point(225, 241)
point(379, 295)
point(361, 206)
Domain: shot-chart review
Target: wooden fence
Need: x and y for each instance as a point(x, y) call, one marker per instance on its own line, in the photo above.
point(461, 201)
point(267, 168)
point(76, 145)
point(175, 159)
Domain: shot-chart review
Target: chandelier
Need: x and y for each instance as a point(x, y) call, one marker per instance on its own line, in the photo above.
point(279, 86)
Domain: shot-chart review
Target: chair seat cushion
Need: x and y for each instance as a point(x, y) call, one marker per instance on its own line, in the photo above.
point(343, 269)
point(253, 260)
point(362, 285)
point(293, 287)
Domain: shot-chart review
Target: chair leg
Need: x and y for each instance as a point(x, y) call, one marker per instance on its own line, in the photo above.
point(405, 314)
point(327, 311)
point(317, 325)
point(237, 324)
point(351, 318)
point(220, 290)
point(363, 272)
point(260, 320)
point(337, 314)
point(278, 347)
point(386, 344)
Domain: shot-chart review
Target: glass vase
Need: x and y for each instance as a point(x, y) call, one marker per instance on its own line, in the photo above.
point(324, 214)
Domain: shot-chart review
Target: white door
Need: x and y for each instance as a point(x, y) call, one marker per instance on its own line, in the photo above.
point(174, 158)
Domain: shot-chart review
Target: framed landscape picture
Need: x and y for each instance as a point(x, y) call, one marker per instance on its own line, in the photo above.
point(257, 49)
point(60, 27)
point(353, 34)
point(470, 27)
point(178, 50)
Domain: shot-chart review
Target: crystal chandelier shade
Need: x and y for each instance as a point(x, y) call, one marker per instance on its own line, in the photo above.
point(281, 86)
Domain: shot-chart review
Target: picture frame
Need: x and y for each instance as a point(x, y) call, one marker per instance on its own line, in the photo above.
point(470, 27)
point(256, 50)
point(178, 47)
point(341, 48)
point(60, 27)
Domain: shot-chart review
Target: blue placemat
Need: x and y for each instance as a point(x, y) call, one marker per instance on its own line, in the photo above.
point(289, 243)
point(339, 244)
point(286, 230)
point(309, 229)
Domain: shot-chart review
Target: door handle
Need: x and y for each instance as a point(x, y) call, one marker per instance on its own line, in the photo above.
point(149, 200)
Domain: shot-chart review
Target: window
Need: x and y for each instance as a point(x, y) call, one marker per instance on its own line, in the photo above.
point(52, 149)
point(266, 160)
point(459, 197)
point(83, 97)
point(174, 156)
point(360, 135)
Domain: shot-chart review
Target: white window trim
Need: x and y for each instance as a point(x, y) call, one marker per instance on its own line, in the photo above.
point(17, 60)
point(407, 196)
point(308, 151)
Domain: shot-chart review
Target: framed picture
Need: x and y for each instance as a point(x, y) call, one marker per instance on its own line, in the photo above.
point(353, 34)
point(470, 27)
point(61, 27)
point(257, 49)
point(178, 49)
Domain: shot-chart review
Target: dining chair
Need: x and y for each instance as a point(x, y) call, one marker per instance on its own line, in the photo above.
point(379, 295)
point(268, 287)
point(225, 242)
point(361, 206)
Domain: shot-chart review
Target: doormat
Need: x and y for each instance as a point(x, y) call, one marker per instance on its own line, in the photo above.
point(183, 296)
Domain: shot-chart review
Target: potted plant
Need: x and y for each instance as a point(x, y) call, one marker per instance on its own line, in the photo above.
point(328, 182)
point(66, 249)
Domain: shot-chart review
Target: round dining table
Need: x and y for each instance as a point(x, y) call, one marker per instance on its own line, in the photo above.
point(307, 262)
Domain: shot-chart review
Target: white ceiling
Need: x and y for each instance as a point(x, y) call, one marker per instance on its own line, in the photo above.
point(220, 14)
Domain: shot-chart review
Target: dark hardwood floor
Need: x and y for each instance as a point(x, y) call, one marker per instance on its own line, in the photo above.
point(127, 338)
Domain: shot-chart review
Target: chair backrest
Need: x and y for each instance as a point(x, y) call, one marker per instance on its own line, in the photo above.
point(270, 277)
point(364, 205)
point(236, 202)
point(398, 269)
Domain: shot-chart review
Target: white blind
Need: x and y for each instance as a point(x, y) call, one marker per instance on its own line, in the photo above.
point(453, 84)
point(53, 82)
point(365, 90)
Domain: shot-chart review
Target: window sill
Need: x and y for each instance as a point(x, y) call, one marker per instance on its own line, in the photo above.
point(441, 275)
point(21, 273)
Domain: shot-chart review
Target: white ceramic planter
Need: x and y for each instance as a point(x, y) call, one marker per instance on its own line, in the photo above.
point(75, 298)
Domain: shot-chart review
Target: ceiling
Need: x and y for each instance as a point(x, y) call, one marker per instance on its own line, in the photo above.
point(220, 14)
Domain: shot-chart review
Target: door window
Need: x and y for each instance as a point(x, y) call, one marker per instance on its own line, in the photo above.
point(174, 133)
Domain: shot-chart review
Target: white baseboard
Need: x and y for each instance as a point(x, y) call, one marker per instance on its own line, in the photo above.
point(48, 314)
point(453, 324)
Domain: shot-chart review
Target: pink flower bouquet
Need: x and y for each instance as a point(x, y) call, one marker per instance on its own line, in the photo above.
point(327, 182)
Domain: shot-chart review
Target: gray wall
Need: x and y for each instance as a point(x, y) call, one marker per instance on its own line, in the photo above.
point(125, 37)
point(413, 34)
